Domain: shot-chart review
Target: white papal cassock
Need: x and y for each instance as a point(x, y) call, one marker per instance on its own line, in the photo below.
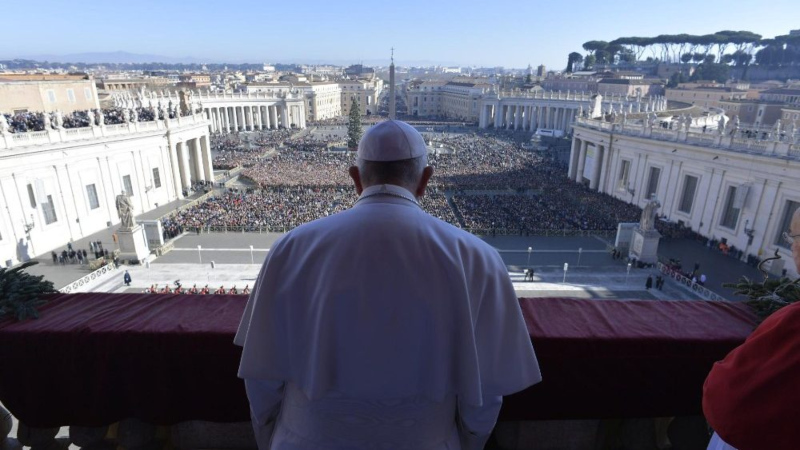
point(382, 327)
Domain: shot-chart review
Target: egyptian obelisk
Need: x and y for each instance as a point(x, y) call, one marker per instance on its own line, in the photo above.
point(392, 112)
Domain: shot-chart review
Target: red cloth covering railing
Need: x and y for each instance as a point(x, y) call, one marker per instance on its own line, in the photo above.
point(94, 359)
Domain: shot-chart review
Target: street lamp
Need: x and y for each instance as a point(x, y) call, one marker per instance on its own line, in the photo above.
point(628, 273)
point(580, 250)
point(199, 256)
point(566, 267)
point(530, 249)
point(251, 255)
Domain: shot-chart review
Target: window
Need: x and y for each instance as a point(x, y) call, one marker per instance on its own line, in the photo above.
point(31, 196)
point(730, 214)
point(652, 183)
point(624, 174)
point(71, 95)
point(788, 212)
point(87, 92)
point(91, 192)
point(51, 95)
point(49, 210)
point(126, 183)
point(687, 198)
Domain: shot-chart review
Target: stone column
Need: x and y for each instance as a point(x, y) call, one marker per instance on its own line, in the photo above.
point(285, 116)
point(545, 122)
point(267, 123)
point(526, 119)
point(555, 123)
point(183, 160)
point(251, 118)
point(598, 166)
point(207, 115)
point(540, 117)
point(605, 172)
point(498, 116)
point(197, 158)
point(573, 159)
point(582, 161)
point(175, 164)
point(235, 119)
point(257, 117)
point(518, 117)
point(205, 151)
point(273, 117)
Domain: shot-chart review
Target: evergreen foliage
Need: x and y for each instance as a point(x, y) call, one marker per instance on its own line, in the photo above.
point(771, 294)
point(767, 297)
point(354, 126)
point(20, 292)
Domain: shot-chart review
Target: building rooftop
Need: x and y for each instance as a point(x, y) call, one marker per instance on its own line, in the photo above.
point(710, 88)
point(629, 82)
point(782, 91)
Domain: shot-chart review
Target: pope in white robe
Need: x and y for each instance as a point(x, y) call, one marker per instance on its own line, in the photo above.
point(382, 327)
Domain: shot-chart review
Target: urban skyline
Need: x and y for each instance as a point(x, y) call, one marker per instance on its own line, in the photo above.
point(466, 34)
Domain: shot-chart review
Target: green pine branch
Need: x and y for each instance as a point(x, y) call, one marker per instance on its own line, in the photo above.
point(20, 292)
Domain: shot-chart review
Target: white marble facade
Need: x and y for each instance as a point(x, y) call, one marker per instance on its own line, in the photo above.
point(723, 187)
point(60, 185)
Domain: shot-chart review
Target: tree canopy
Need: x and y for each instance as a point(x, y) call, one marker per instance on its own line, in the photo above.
point(727, 47)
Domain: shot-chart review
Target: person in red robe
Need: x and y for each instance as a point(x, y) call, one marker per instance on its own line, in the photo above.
point(752, 398)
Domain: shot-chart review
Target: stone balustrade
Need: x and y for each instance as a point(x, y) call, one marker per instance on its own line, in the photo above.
point(61, 135)
point(762, 141)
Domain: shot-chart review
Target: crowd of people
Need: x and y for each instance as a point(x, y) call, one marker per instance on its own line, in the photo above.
point(278, 209)
point(483, 180)
point(232, 151)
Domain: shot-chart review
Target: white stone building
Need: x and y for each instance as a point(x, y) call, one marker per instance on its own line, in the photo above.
point(60, 185)
point(742, 191)
point(365, 91)
point(455, 99)
point(65, 95)
point(323, 100)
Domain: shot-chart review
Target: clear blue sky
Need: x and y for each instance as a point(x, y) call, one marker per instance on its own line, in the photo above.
point(467, 32)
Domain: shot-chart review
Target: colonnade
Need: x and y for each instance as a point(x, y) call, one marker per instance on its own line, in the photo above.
point(528, 117)
point(595, 154)
point(228, 119)
point(191, 163)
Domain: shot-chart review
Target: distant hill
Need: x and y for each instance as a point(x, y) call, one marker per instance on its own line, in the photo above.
point(112, 58)
point(121, 57)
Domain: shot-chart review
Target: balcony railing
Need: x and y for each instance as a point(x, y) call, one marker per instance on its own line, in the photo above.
point(93, 360)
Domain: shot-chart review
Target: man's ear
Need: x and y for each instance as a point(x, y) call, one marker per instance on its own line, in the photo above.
point(423, 181)
point(356, 176)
